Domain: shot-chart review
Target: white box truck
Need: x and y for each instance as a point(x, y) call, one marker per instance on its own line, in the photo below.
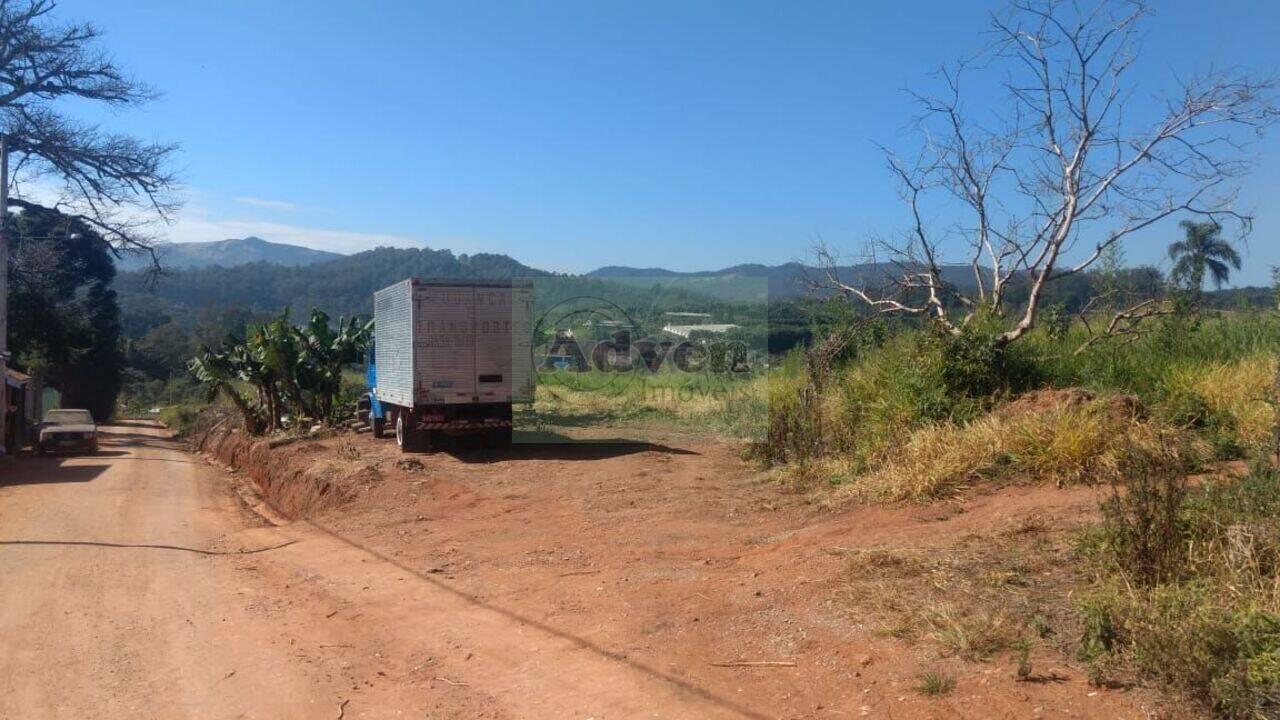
point(450, 358)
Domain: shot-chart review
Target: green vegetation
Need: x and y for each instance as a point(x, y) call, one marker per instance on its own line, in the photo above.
point(1202, 251)
point(281, 372)
point(729, 404)
point(64, 322)
point(915, 413)
point(1184, 589)
point(934, 683)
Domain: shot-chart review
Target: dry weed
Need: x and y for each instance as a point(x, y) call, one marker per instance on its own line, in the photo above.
point(1067, 444)
point(973, 600)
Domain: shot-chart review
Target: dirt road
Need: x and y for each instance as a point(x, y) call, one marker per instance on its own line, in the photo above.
point(135, 585)
point(115, 603)
point(538, 585)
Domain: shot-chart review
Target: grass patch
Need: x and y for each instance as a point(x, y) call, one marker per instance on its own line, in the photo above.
point(973, 600)
point(1231, 402)
point(1186, 590)
point(734, 406)
point(917, 415)
point(1063, 438)
point(934, 683)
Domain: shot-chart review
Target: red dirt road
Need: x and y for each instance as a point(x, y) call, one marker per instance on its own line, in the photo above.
point(549, 583)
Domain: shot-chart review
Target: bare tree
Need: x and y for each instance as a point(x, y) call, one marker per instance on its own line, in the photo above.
point(1074, 162)
point(115, 183)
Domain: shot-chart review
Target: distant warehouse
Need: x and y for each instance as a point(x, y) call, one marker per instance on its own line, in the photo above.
point(691, 322)
point(685, 330)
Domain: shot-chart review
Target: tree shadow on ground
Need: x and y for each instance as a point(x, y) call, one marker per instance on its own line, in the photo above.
point(43, 470)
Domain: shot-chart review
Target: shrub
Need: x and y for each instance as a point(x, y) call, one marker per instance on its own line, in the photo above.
point(1204, 617)
point(796, 427)
point(974, 365)
point(916, 413)
point(1074, 438)
point(1144, 527)
point(934, 683)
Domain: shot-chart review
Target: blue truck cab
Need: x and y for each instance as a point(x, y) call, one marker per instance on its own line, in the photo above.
point(369, 406)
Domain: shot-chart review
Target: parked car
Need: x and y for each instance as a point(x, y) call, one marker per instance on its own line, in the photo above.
point(67, 431)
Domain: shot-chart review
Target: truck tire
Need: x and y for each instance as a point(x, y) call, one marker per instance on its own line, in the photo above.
point(379, 426)
point(408, 437)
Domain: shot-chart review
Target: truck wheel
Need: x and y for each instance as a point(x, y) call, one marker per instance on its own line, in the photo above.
point(400, 427)
point(379, 426)
point(408, 437)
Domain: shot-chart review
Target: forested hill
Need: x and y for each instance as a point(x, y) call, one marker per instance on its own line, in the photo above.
point(339, 287)
point(227, 253)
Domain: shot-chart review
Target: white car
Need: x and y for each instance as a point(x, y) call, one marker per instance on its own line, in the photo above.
point(67, 431)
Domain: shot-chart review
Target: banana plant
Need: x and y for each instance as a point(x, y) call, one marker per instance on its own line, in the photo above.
point(217, 372)
point(292, 369)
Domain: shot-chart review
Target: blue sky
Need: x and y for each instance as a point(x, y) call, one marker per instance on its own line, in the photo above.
point(689, 135)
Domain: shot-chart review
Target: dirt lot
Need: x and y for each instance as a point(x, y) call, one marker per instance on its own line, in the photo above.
point(619, 581)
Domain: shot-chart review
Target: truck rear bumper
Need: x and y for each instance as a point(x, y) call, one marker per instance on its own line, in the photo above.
point(462, 419)
point(463, 426)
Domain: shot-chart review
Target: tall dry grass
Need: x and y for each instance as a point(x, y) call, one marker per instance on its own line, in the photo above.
point(1073, 438)
point(1237, 396)
point(899, 423)
point(1186, 593)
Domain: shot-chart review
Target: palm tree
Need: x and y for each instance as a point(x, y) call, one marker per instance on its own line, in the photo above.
point(1202, 249)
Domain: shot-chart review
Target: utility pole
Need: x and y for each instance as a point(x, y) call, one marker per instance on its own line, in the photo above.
point(4, 288)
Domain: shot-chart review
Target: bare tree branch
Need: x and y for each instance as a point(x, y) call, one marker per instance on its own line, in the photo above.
point(118, 184)
point(1063, 172)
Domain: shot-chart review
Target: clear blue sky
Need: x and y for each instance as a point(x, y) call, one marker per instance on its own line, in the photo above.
point(573, 134)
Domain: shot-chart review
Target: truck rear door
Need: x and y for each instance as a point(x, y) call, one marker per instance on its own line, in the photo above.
point(493, 344)
point(444, 344)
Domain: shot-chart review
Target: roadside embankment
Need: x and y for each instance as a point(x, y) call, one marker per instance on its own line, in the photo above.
point(293, 475)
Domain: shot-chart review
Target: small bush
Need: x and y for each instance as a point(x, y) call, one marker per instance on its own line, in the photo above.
point(1145, 532)
point(934, 683)
point(1187, 589)
point(975, 365)
point(796, 423)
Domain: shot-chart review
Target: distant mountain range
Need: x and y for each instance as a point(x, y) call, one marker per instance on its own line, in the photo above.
point(255, 276)
point(753, 280)
point(227, 253)
point(258, 275)
point(341, 285)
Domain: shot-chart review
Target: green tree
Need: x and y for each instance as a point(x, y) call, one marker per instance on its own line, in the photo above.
point(290, 369)
point(1202, 251)
point(64, 321)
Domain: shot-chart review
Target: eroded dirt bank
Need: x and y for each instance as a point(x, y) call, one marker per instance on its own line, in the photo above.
point(643, 581)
